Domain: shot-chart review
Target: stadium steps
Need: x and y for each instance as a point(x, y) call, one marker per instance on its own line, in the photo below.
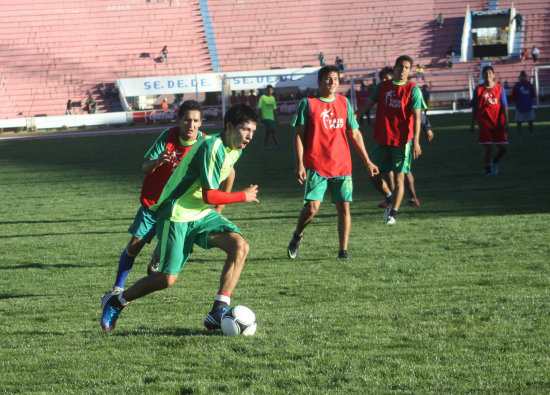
point(57, 50)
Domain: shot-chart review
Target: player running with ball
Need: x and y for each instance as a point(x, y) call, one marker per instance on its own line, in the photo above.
point(185, 217)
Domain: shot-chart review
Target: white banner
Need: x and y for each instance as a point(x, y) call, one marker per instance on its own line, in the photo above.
point(151, 86)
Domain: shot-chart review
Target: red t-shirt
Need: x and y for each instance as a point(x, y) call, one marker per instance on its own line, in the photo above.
point(394, 124)
point(154, 182)
point(326, 148)
point(489, 107)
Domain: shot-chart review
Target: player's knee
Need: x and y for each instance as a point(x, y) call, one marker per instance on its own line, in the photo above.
point(312, 208)
point(243, 248)
point(135, 246)
point(343, 208)
point(168, 279)
point(238, 246)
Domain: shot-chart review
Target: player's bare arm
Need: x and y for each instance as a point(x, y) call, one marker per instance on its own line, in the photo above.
point(366, 106)
point(417, 151)
point(300, 170)
point(151, 164)
point(359, 144)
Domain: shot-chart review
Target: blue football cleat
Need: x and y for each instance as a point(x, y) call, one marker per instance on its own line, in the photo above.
point(110, 313)
point(214, 320)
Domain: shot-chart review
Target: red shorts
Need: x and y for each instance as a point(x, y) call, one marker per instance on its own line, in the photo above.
point(494, 136)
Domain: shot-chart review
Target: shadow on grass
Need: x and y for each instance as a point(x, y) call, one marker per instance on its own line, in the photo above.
point(6, 296)
point(41, 266)
point(60, 234)
point(178, 332)
point(63, 221)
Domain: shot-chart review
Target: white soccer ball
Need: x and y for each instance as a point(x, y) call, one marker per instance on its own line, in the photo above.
point(239, 320)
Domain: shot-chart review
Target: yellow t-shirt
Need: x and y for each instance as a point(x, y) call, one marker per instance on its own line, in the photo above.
point(268, 105)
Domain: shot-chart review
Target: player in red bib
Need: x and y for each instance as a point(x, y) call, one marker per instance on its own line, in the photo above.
point(323, 159)
point(396, 132)
point(490, 109)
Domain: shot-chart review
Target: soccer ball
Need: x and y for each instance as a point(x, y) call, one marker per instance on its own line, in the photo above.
point(239, 320)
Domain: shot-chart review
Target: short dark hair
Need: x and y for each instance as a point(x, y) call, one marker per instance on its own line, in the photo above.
point(189, 105)
point(402, 58)
point(385, 70)
point(326, 70)
point(269, 86)
point(238, 114)
point(487, 68)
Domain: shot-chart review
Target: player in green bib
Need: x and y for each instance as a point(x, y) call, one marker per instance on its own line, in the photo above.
point(185, 217)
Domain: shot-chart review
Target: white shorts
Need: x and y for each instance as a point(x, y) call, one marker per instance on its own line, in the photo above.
point(525, 116)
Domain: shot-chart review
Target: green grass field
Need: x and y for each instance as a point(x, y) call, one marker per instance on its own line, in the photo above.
point(453, 299)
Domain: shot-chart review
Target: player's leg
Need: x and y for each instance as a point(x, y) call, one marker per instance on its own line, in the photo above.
point(488, 159)
point(531, 129)
point(306, 216)
point(276, 138)
point(344, 226)
point(154, 263)
point(143, 230)
point(401, 158)
point(315, 188)
point(126, 262)
point(519, 129)
point(500, 140)
point(266, 137)
point(411, 190)
point(215, 231)
point(174, 250)
point(399, 191)
point(149, 284)
point(341, 190)
point(501, 150)
point(236, 248)
point(381, 156)
point(380, 183)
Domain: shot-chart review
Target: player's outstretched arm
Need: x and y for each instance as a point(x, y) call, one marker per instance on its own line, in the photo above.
point(300, 170)
point(216, 197)
point(359, 144)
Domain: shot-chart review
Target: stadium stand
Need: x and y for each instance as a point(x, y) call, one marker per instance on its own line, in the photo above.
point(54, 50)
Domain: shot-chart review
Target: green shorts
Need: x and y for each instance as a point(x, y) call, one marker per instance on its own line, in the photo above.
point(341, 188)
point(396, 159)
point(269, 124)
point(144, 225)
point(176, 239)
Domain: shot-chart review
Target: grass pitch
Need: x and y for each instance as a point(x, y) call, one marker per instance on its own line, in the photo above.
point(453, 299)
